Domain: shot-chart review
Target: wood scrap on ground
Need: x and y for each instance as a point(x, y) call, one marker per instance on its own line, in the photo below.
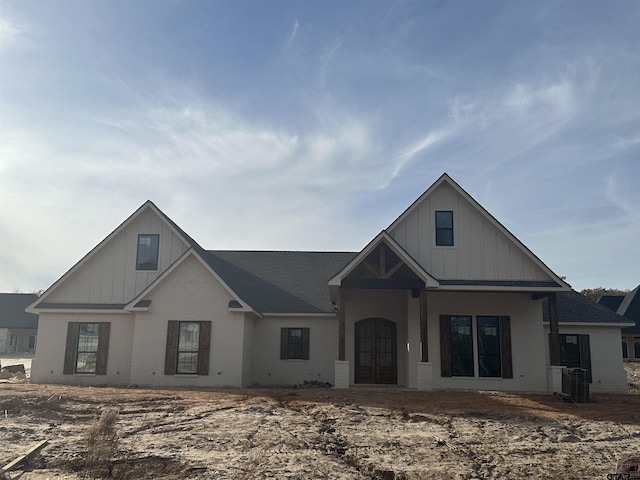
point(32, 452)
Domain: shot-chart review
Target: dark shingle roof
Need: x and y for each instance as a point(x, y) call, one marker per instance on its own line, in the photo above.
point(612, 302)
point(574, 307)
point(280, 282)
point(631, 306)
point(12, 314)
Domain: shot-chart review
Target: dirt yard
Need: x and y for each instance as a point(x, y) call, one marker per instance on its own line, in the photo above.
point(319, 433)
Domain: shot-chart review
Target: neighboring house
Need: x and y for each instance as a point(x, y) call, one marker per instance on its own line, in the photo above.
point(444, 298)
point(18, 329)
point(628, 306)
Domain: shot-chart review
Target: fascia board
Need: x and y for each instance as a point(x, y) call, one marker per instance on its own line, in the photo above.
point(483, 211)
point(305, 315)
point(593, 324)
point(33, 308)
point(67, 311)
point(497, 289)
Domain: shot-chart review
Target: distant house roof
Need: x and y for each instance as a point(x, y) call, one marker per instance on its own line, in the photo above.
point(612, 302)
point(626, 305)
point(280, 282)
point(574, 307)
point(12, 314)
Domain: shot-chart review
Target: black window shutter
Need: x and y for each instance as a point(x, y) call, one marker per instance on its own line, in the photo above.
point(204, 348)
point(445, 345)
point(284, 332)
point(171, 353)
point(305, 343)
point(71, 349)
point(104, 329)
point(505, 347)
point(585, 355)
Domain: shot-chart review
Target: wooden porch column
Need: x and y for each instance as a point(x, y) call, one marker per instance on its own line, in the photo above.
point(341, 325)
point(424, 345)
point(554, 346)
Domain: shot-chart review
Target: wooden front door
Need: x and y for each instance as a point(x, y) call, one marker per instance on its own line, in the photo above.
point(376, 357)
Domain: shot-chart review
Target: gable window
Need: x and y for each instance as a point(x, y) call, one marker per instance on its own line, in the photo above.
point(294, 344)
point(87, 347)
point(187, 351)
point(489, 348)
point(147, 257)
point(444, 228)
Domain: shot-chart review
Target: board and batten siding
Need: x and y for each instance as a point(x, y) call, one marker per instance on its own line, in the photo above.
point(481, 250)
point(109, 275)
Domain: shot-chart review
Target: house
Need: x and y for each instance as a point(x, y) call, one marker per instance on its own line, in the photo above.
point(444, 298)
point(628, 306)
point(18, 329)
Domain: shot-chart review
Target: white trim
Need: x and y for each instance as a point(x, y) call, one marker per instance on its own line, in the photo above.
point(592, 324)
point(68, 311)
point(328, 315)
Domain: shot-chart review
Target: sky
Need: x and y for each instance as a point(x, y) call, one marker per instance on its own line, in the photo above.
point(302, 125)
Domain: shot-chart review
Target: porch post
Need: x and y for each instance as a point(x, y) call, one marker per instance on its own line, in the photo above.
point(554, 347)
point(341, 326)
point(424, 344)
point(341, 365)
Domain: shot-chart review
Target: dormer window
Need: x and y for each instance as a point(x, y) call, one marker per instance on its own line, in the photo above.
point(444, 229)
point(147, 258)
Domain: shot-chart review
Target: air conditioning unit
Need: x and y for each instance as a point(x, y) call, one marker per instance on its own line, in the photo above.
point(575, 384)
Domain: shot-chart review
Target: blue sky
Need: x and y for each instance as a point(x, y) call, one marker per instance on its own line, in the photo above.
point(312, 125)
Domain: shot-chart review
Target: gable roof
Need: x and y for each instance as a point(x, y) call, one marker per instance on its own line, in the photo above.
point(386, 239)
point(12, 310)
point(574, 307)
point(148, 205)
point(612, 302)
point(557, 284)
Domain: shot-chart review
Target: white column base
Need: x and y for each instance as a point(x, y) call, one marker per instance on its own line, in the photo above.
point(555, 378)
point(342, 374)
point(425, 375)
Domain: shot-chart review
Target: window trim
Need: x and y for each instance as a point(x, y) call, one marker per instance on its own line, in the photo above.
point(152, 267)
point(439, 230)
point(584, 349)
point(285, 335)
point(71, 350)
point(171, 352)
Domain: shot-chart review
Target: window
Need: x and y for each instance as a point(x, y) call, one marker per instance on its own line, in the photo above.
point(294, 344)
point(575, 352)
point(187, 351)
point(490, 348)
point(625, 348)
point(444, 229)
point(87, 348)
point(147, 258)
point(32, 342)
point(188, 343)
point(489, 362)
point(636, 347)
point(461, 347)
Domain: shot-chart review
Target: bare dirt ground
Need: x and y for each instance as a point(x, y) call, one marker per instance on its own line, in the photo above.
point(320, 433)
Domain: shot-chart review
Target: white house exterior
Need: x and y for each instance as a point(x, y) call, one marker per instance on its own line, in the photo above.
point(445, 298)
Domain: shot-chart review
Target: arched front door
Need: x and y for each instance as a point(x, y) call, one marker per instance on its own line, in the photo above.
point(375, 351)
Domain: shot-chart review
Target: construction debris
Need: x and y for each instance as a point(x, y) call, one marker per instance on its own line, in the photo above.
point(32, 452)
